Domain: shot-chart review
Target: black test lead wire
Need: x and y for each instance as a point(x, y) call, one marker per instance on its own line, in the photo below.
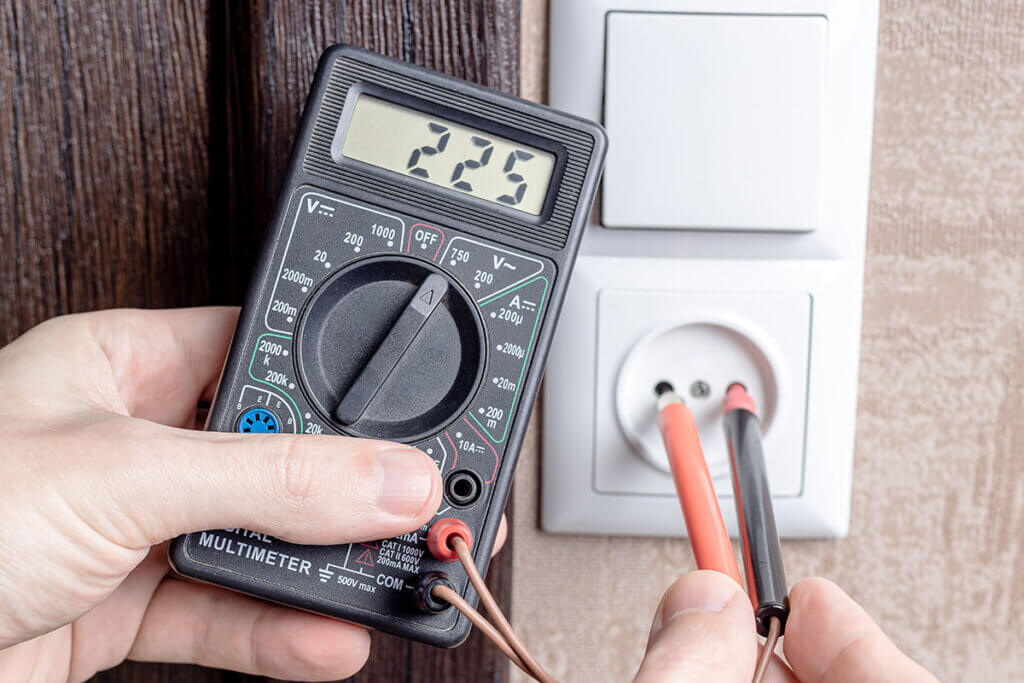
point(762, 552)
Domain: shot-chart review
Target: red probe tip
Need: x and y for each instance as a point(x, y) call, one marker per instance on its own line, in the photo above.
point(736, 397)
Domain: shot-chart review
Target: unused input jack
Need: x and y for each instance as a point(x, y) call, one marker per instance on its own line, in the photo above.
point(462, 488)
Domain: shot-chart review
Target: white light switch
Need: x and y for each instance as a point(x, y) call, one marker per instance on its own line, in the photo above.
point(715, 121)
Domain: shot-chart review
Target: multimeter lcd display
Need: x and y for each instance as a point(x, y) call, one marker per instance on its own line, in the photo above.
point(447, 154)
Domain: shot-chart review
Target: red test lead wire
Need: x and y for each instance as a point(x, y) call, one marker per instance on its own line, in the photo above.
point(704, 525)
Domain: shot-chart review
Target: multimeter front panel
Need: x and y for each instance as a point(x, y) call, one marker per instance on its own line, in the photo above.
point(402, 294)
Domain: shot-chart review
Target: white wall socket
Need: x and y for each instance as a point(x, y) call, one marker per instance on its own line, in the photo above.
point(728, 246)
point(688, 338)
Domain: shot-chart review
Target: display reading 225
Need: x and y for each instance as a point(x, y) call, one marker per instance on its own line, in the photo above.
point(392, 137)
point(457, 181)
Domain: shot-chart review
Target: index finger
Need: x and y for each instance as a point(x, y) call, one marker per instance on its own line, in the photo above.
point(165, 361)
point(829, 637)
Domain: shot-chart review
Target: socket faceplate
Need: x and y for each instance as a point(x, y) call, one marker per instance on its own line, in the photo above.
point(798, 235)
point(708, 340)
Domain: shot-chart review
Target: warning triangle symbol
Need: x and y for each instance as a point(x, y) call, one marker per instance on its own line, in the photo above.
point(427, 297)
point(366, 558)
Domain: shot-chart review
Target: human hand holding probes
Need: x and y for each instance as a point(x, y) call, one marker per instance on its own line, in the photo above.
point(704, 632)
point(705, 628)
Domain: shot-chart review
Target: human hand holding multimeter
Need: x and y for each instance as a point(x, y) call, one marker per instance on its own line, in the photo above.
point(407, 290)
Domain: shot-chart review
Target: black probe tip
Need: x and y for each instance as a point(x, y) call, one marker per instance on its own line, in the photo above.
point(663, 387)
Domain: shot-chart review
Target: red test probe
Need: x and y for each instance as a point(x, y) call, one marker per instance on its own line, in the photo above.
point(704, 525)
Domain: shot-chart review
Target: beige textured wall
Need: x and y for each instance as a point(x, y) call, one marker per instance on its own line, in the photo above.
point(936, 548)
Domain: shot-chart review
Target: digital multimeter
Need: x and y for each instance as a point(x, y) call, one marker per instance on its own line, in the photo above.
point(407, 290)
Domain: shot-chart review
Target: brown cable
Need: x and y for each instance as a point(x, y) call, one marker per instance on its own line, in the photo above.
point(448, 595)
point(774, 628)
point(458, 544)
point(506, 640)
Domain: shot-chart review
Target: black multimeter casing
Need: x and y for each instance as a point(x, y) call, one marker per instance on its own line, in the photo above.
point(337, 218)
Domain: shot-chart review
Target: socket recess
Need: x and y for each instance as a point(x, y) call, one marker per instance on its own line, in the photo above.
point(760, 339)
point(700, 357)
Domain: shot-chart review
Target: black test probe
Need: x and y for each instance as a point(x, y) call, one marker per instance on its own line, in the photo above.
point(762, 553)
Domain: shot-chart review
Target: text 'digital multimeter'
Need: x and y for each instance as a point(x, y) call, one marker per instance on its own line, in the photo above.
point(407, 290)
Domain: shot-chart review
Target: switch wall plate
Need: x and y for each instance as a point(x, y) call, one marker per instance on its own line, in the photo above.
point(716, 118)
point(765, 285)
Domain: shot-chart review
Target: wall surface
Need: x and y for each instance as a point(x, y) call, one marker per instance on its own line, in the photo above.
point(936, 548)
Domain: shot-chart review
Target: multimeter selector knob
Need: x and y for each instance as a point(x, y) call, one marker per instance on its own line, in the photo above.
point(390, 348)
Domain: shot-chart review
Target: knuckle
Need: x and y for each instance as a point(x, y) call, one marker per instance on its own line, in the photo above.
point(698, 649)
point(297, 473)
point(812, 596)
point(356, 468)
point(662, 664)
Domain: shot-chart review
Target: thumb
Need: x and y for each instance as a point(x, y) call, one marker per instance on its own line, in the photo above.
point(304, 489)
point(703, 631)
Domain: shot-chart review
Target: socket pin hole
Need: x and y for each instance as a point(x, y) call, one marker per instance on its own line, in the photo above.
point(463, 488)
point(700, 389)
point(663, 387)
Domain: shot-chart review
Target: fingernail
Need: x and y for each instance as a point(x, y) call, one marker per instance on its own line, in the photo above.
point(697, 592)
point(406, 481)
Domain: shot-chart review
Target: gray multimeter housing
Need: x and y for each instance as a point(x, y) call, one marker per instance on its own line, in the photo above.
point(354, 243)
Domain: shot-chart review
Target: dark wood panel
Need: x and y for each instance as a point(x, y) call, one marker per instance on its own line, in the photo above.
point(105, 160)
point(144, 145)
point(263, 55)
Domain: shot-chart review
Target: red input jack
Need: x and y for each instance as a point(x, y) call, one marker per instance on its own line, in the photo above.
point(442, 533)
point(449, 539)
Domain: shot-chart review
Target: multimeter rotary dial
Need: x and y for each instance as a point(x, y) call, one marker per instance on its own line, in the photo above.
point(390, 348)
